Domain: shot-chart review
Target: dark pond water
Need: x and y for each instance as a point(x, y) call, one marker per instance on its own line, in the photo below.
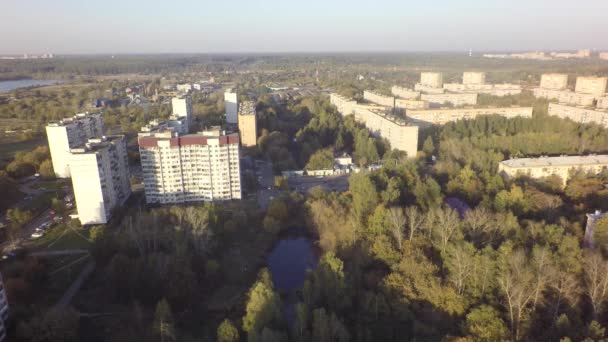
point(6, 86)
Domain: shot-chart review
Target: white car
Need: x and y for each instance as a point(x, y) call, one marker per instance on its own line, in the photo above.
point(37, 234)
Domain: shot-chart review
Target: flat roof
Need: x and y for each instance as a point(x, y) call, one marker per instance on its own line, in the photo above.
point(556, 161)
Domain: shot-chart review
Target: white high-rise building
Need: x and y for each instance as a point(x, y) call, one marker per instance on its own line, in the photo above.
point(69, 133)
point(100, 177)
point(232, 107)
point(197, 167)
point(182, 107)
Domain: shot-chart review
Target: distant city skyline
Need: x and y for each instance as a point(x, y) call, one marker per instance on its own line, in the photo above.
point(241, 26)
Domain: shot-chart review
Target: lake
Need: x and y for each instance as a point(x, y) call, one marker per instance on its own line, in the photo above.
point(6, 86)
point(289, 262)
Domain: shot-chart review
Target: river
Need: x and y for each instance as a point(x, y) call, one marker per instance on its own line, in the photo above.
point(6, 86)
point(289, 262)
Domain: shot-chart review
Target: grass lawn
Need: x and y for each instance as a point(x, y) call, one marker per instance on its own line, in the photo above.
point(9, 148)
point(61, 237)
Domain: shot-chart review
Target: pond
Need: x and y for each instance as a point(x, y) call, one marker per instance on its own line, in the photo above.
point(288, 263)
point(6, 86)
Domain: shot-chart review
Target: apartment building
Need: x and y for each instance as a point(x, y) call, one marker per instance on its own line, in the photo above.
point(100, 177)
point(178, 124)
point(565, 96)
point(398, 132)
point(464, 99)
point(591, 85)
point(428, 89)
point(431, 79)
point(603, 55)
point(471, 77)
point(405, 93)
point(392, 102)
point(247, 122)
point(69, 133)
point(3, 310)
point(554, 81)
point(197, 167)
point(231, 102)
point(562, 166)
point(579, 114)
point(427, 117)
point(602, 102)
point(182, 107)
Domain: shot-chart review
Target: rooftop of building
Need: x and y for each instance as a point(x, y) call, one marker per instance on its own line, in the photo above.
point(95, 144)
point(75, 118)
point(556, 161)
point(199, 138)
point(247, 108)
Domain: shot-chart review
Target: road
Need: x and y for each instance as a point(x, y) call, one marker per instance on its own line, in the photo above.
point(266, 191)
point(75, 286)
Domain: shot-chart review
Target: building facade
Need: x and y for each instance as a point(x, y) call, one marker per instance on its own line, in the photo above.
point(464, 99)
point(247, 121)
point(431, 79)
point(565, 96)
point(405, 93)
point(554, 81)
point(471, 77)
point(562, 166)
point(231, 102)
point(427, 117)
point(182, 107)
point(100, 177)
point(69, 133)
point(579, 114)
point(190, 168)
point(603, 55)
point(591, 85)
point(398, 132)
point(392, 102)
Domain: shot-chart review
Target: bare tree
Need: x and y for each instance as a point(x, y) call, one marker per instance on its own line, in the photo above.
point(596, 280)
point(397, 219)
point(542, 268)
point(446, 226)
point(415, 220)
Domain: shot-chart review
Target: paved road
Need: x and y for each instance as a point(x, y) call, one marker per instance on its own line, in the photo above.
point(265, 178)
point(75, 286)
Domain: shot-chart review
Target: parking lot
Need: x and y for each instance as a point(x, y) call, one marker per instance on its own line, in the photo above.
point(329, 183)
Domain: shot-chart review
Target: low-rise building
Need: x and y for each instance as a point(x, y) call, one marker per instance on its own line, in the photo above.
point(69, 133)
point(398, 132)
point(563, 166)
point(100, 178)
point(579, 114)
point(427, 117)
point(190, 168)
point(405, 93)
point(464, 99)
point(247, 121)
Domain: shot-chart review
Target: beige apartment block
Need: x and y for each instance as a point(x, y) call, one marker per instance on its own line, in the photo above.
point(591, 85)
point(603, 55)
point(554, 81)
point(602, 102)
point(247, 122)
point(398, 132)
point(392, 102)
point(471, 77)
point(563, 166)
point(579, 114)
point(504, 89)
point(464, 99)
point(565, 96)
point(428, 89)
point(431, 79)
point(405, 93)
point(428, 117)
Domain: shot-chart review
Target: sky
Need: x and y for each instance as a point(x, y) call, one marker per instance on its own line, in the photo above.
point(203, 26)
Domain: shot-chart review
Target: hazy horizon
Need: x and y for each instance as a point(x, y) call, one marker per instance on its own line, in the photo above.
point(272, 26)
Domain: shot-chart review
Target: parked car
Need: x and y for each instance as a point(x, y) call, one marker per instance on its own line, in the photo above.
point(57, 219)
point(37, 234)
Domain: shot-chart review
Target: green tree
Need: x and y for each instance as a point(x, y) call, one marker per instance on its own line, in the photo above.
point(164, 326)
point(600, 234)
point(263, 305)
point(428, 147)
point(364, 195)
point(227, 332)
point(321, 160)
point(484, 324)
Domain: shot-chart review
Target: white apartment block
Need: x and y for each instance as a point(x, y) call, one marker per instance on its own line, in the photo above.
point(591, 85)
point(565, 96)
point(390, 101)
point(197, 167)
point(554, 81)
point(100, 177)
point(405, 93)
point(69, 133)
point(232, 107)
point(562, 166)
point(471, 77)
point(431, 79)
point(579, 114)
point(464, 99)
point(428, 117)
point(399, 134)
point(182, 107)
